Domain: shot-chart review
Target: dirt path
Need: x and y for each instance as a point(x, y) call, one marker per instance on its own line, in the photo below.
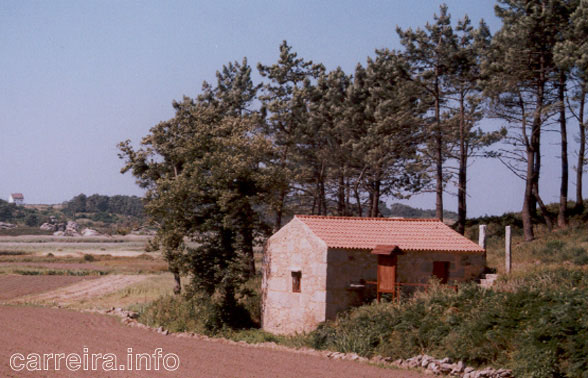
point(43, 330)
point(13, 286)
point(83, 290)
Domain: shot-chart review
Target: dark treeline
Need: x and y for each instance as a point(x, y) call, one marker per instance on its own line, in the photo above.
point(96, 203)
point(240, 158)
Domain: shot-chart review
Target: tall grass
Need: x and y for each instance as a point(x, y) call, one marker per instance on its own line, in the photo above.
point(537, 328)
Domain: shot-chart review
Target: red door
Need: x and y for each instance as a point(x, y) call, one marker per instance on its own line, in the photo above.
point(386, 274)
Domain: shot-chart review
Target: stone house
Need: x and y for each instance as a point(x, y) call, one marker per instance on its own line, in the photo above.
point(317, 266)
point(16, 198)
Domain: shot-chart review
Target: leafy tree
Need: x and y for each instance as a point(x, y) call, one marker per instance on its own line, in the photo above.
point(430, 53)
point(204, 174)
point(387, 143)
point(520, 71)
point(466, 99)
point(285, 112)
point(571, 55)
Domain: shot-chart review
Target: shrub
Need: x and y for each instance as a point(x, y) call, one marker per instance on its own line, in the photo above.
point(194, 313)
point(89, 258)
point(538, 328)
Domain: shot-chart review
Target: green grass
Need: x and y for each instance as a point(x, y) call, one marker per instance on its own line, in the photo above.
point(54, 272)
point(537, 327)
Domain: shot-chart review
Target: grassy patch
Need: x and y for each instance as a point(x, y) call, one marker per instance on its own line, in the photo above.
point(537, 327)
point(135, 297)
point(60, 272)
point(13, 253)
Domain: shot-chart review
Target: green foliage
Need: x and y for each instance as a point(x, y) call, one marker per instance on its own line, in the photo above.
point(196, 313)
point(32, 220)
point(104, 206)
point(405, 211)
point(88, 257)
point(539, 329)
point(54, 272)
point(554, 251)
point(22, 215)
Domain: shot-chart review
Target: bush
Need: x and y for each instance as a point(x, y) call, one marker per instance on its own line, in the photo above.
point(555, 251)
point(538, 328)
point(89, 258)
point(194, 313)
point(32, 220)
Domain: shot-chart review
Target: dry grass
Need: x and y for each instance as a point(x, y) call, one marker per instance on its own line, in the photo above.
point(134, 297)
point(540, 253)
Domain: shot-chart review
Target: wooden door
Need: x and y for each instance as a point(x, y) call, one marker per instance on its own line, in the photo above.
point(386, 274)
point(441, 270)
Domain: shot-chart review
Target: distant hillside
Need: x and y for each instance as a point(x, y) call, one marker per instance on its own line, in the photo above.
point(405, 211)
point(108, 214)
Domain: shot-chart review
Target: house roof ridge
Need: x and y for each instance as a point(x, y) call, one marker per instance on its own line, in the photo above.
point(407, 233)
point(367, 218)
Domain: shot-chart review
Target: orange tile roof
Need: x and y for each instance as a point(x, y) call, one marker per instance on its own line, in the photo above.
point(408, 234)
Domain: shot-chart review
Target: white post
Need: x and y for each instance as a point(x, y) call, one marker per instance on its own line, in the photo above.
point(507, 244)
point(482, 236)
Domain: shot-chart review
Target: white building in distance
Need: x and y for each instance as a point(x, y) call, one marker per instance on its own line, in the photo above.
point(16, 198)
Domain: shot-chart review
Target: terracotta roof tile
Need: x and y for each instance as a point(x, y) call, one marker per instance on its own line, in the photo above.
point(407, 234)
point(17, 196)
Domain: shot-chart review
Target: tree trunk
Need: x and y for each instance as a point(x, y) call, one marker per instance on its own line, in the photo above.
point(562, 216)
point(322, 191)
point(580, 168)
point(375, 198)
point(462, 174)
point(546, 213)
point(356, 192)
point(526, 214)
point(178, 282)
point(341, 208)
point(529, 211)
point(358, 202)
point(280, 210)
point(438, 154)
point(247, 237)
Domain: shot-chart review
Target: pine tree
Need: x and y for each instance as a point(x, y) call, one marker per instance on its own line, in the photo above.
point(466, 98)
point(387, 145)
point(571, 55)
point(430, 53)
point(285, 113)
point(521, 73)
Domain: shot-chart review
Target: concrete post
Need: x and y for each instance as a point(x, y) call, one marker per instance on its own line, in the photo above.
point(482, 238)
point(507, 244)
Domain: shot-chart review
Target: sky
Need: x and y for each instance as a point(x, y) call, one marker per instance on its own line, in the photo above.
point(78, 77)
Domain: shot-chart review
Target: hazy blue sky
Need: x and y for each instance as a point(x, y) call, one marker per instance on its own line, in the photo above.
point(77, 77)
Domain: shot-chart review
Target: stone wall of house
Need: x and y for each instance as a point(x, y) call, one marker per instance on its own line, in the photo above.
point(294, 248)
point(345, 269)
point(417, 267)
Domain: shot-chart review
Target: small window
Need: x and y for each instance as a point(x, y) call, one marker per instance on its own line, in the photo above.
point(296, 277)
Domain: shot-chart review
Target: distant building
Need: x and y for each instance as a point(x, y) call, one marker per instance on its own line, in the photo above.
point(317, 266)
point(16, 198)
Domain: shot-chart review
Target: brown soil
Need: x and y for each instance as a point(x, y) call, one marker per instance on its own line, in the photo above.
point(51, 265)
point(44, 330)
point(84, 290)
point(105, 264)
point(13, 286)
